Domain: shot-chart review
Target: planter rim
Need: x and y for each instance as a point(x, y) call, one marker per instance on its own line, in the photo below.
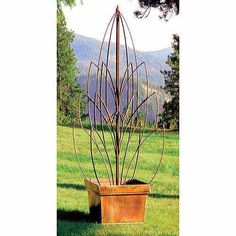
point(104, 189)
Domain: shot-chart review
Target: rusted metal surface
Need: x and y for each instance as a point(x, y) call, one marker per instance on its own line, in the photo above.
point(117, 203)
point(114, 109)
point(117, 100)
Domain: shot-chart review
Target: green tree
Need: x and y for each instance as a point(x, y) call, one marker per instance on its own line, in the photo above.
point(68, 91)
point(170, 115)
point(166, 7)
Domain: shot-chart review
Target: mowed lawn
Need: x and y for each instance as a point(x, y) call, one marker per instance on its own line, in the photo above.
point(162, 209)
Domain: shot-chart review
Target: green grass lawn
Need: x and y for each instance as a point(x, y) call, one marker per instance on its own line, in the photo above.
point(162, 209)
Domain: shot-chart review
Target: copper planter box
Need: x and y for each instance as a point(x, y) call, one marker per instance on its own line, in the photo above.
point(117, 203)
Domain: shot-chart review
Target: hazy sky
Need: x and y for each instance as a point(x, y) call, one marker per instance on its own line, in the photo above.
point(91, 18)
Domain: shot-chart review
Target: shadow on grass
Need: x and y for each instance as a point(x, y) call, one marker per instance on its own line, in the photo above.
point(74, 216)
point(157, 195)
point(71, 223)
point(74, 186)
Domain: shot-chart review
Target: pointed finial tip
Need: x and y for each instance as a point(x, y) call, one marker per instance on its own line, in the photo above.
point(117, 8)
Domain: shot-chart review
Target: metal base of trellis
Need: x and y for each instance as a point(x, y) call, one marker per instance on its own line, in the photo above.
point(112, 204)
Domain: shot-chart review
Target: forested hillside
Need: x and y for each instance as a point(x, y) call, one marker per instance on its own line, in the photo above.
point(87, 50)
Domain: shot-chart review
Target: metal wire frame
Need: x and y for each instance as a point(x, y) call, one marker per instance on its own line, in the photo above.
point(96, 144)
point(122, 93)
point(145, 120)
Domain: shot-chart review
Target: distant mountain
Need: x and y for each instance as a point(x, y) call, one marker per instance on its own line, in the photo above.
point(160, 54)
point(87, 50)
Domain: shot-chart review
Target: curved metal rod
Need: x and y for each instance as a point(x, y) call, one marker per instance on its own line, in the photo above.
point(136, 68)
point(91, 131)
point(126, 68)
point(109, 118)
point(112, 88)
point(103, 135)
point(102, 115)
point(132, 93)
point(136, 63)
point(101, 47)
point(162, 154)
point(73, 135)
point(127, 58)
point(117, 113)
point(91, 154)
point(132, 107)
point(130, 136)
point(100, 51)
point(126, 149)
point(98, 148)
point(157, 112)
point(94, 110)
point(92, 127)
point(145, 121)
point(136, 153)
point(133, 113)
point(130, 132)
point(112, 91)
point(139, 107)
point(135, 55)
point(131, 100)
point(132, 41)
point(132, 87)
point(88, 87)
point(94, 141)
point(106, 108)
point(131, 76)
point(126, 112)
point(108, 51)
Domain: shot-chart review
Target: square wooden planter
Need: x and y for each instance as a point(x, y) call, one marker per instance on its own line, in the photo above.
point(117, 203)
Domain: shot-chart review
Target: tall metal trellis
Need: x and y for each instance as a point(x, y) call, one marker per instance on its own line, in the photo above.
point(115, 107)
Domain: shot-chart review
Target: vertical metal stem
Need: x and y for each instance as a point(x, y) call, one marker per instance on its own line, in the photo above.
point(117, 102)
